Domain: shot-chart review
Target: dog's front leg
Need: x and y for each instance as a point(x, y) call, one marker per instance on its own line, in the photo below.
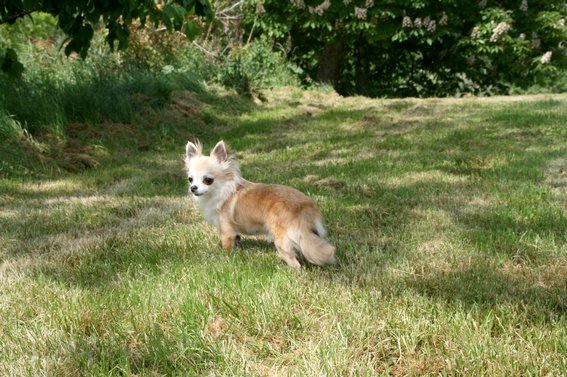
point(227, 241)
point(227, 233)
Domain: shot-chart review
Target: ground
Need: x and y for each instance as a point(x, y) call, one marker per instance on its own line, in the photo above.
point(449, 217)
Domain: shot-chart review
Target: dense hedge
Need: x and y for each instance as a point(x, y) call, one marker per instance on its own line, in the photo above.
point(419, 48)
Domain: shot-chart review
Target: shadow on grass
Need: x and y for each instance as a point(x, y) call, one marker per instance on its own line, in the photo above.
point(498, 260)
point(500, 238)
point(155, 352)
point(488, 286)
point(248, 242)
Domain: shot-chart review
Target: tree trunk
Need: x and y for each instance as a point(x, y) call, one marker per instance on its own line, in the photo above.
point(362, 74)
point(330, 63)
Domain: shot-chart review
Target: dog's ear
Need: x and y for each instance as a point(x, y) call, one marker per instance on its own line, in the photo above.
point(193, 150)
point(220, 152)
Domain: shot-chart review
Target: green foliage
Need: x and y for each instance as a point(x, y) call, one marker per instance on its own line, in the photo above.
point(80, 18)
point(155, 50)
point(254, 67)
point(41, 110)
point(9, 127)
point(233, 74)
point(39, 26)
point(9, 63)
point(420, 48)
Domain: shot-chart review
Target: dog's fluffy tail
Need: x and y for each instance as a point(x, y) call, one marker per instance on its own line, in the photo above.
point(312, 244)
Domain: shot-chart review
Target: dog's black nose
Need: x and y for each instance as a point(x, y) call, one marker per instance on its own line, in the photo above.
point(193, 188)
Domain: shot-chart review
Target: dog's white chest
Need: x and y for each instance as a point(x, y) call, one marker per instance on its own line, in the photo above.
point(210, 211)
point(212, 216)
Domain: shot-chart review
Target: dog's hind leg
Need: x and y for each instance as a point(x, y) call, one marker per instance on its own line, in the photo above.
point(286, 252)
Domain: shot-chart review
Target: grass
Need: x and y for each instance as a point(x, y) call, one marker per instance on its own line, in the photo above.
point(449, 218)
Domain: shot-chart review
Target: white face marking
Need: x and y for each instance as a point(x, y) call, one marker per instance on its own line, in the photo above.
point(201, 184)
point(201, 176)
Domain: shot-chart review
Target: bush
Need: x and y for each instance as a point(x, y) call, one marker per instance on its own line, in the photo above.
point(254, 67)
point(159, 51)
point(418, 48)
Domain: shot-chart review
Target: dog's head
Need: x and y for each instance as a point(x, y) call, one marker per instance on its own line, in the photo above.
point(207, 174)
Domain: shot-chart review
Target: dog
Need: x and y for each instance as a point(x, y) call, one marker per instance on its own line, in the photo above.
point(236, 206)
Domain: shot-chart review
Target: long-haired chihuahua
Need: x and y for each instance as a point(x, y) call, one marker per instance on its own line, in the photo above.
point(236, 206)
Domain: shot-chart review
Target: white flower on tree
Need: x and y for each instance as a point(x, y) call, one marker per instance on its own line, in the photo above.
point(443, 20)
point(546, 58)
point(298, 3)
point(360, 13)
point(321, 8)
point(524, 6)
point(500, 29)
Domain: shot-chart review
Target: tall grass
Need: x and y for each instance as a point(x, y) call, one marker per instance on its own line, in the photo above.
point(45, 102)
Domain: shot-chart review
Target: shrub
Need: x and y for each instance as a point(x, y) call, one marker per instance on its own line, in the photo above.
point(254, 67)
point(418, 48)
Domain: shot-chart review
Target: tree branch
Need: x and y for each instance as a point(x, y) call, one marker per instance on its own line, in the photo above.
point(12, 18)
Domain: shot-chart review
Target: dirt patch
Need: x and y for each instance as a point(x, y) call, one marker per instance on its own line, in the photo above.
point(141, 98)
point(73, 153)
point(183, 107)
point(311, 109)
point(185, 103)
point(79, 158)
point(216, 327)
point(81, 130)
point(70, 152)
point(324, 182)
point(114, 129)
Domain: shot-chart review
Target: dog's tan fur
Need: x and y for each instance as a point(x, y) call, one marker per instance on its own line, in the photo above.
point(237, 206)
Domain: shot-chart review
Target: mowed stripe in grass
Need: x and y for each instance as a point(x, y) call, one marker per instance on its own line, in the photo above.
point(449, 218)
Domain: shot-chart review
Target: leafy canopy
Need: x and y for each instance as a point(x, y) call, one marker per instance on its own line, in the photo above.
point(79, 19)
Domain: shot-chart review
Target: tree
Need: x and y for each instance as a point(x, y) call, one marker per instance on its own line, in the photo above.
point(418, 48)
point(79, 19)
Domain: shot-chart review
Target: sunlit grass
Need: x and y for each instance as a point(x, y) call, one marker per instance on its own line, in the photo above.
point(449, 218)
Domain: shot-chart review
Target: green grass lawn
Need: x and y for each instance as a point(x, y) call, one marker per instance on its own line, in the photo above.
point(449, 218)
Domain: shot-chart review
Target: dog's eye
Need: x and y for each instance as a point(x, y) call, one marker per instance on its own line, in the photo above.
point(208, 181)
point(190, 179)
